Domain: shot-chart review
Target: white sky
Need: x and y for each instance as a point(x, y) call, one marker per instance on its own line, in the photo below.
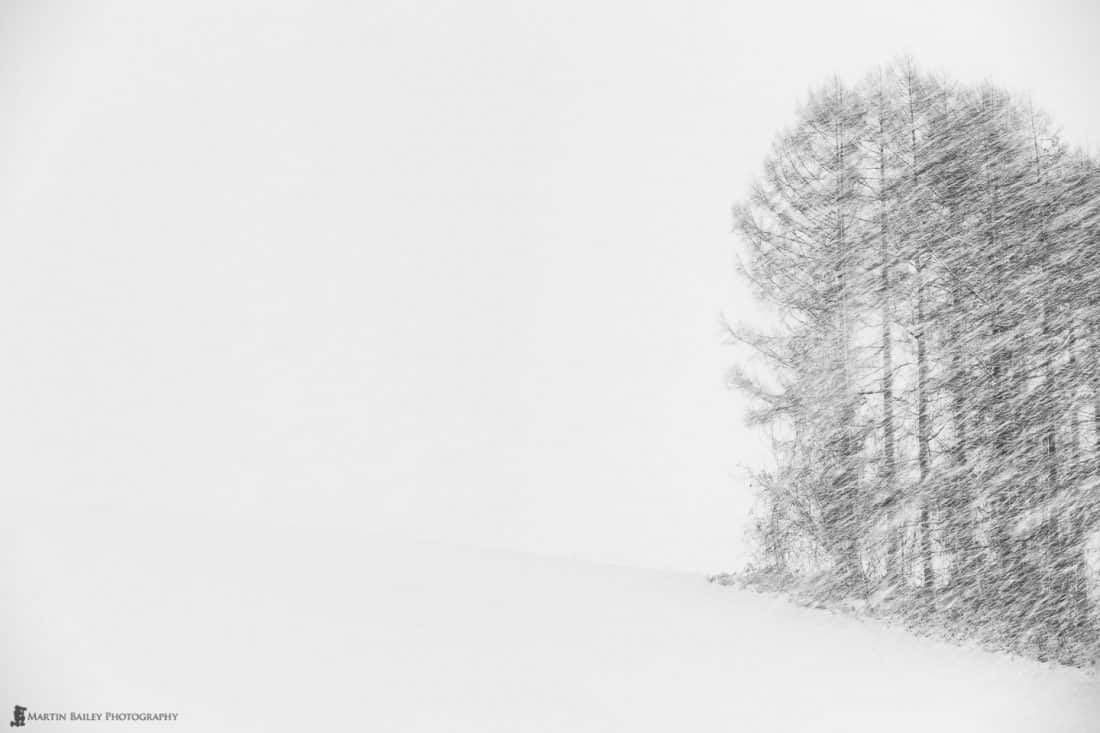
point(452, 268)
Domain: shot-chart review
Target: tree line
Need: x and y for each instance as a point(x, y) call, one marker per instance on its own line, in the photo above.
point(929, 257)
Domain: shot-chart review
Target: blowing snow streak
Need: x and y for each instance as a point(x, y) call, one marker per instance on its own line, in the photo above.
point(930, 253)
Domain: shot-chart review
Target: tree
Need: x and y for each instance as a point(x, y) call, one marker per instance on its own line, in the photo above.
point(933, 374)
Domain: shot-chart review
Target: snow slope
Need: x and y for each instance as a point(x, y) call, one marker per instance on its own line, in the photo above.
point(267, 628)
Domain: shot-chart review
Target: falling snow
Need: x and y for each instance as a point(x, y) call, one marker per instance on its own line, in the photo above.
point(930, 372)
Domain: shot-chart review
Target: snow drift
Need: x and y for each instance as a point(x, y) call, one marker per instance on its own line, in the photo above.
point(306, 627)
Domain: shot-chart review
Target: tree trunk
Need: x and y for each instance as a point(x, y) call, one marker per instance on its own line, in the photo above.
point(923, 447)
point(894, 570)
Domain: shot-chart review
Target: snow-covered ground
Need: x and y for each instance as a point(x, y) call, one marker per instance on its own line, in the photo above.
point(241, 627)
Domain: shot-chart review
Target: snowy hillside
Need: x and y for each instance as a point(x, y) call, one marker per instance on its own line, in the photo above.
point(272, 628)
